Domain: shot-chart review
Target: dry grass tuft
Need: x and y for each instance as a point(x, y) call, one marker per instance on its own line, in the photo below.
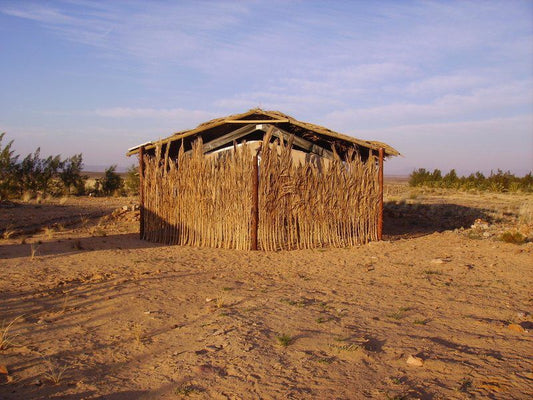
point(137, 331)
point(8, 233)
point(54, 371)
point(525, 213)
point(48, 231)
point(284, 339)
point(34, 247)
point(6, 337)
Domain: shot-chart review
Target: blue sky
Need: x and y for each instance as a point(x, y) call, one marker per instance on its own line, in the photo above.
point(449, 84)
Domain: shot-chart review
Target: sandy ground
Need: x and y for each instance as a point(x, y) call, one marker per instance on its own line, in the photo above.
point(434, 312)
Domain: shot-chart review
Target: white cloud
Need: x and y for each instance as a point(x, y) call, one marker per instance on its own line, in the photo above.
point(451, 107)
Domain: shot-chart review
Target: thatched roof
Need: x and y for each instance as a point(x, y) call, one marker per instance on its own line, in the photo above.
point(312, 132)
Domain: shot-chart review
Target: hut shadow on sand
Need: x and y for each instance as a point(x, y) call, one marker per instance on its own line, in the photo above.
point(403, 220)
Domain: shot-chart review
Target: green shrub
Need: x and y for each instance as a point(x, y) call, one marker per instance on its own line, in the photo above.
point(110, 183)
point(132, 182)
point(498, 181)
point(512, 237)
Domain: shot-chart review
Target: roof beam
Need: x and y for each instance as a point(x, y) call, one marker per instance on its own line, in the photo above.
point(302, 143)
point(256, 121)
point(229, 137)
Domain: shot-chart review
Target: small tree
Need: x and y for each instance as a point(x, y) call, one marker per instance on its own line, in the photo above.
point(8, 170)
point(71, 176)
point(111, 182)
point(132, 181)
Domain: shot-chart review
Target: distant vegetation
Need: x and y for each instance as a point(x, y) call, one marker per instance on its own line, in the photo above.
point(34, 176)
point(496, 182)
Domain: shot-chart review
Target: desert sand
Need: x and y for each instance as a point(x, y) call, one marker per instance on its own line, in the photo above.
point(438, 310)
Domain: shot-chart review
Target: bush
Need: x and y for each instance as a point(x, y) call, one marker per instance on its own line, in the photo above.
point(110, 183)
point(132, 182)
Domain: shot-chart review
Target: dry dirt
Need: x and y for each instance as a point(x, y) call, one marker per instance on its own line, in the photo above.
point(436, 311)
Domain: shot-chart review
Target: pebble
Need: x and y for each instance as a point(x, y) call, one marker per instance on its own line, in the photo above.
point(415, 361)
point(213, 348)
point(516, 328)
point(522, 314)
point(437, 261)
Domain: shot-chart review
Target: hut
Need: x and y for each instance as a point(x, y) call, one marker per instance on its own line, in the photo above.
point(261, 180)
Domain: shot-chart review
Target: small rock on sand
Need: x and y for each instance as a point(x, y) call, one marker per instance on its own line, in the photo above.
point(415, 361)
point(3, 370)
point(516, 328)
point(437, 261)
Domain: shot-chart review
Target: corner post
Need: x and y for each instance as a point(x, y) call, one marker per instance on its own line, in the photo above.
point(141, 193)
point(380, 182)
point(255, 201)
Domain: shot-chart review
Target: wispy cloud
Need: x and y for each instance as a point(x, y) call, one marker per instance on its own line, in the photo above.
point(352, 66)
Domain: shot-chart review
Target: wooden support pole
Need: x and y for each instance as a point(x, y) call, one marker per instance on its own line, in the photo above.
point(255, 202)
point(380, 180)
point(141, 192)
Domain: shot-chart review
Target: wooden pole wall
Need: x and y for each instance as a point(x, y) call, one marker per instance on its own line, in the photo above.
point(255, 203)
point(380, 210)
point(141, 192)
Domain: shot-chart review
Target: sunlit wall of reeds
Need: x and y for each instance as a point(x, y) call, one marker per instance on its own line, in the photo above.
point(206, 200)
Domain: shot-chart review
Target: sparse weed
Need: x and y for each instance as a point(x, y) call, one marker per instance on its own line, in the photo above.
point(344, 347)
point(138, 333)
point(8, 233)
point(27, 196)
point(341, 338)
point(432, 272)
point(65, 305)
point(77, 245)
point(465, 384)
point(227, 289)
point(98, 231)
point(48, 232)
point(186, 390)
point(397, 315)
point(284, 339)
point(221, 302)
point(54, 372)
point(513, 237)
point(297, 303)
point(421, 321)
point(33, 250)
point(396, 380)
point(525, 213)
point(6, 338)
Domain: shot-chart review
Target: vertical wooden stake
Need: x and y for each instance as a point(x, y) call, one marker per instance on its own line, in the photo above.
point(380, 210)
point(141, 192)
point(255, 202)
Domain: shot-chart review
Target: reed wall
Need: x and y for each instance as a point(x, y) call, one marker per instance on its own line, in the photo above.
point(206, 200)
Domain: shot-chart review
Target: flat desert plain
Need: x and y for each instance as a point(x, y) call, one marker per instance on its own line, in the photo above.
point(441, 309)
